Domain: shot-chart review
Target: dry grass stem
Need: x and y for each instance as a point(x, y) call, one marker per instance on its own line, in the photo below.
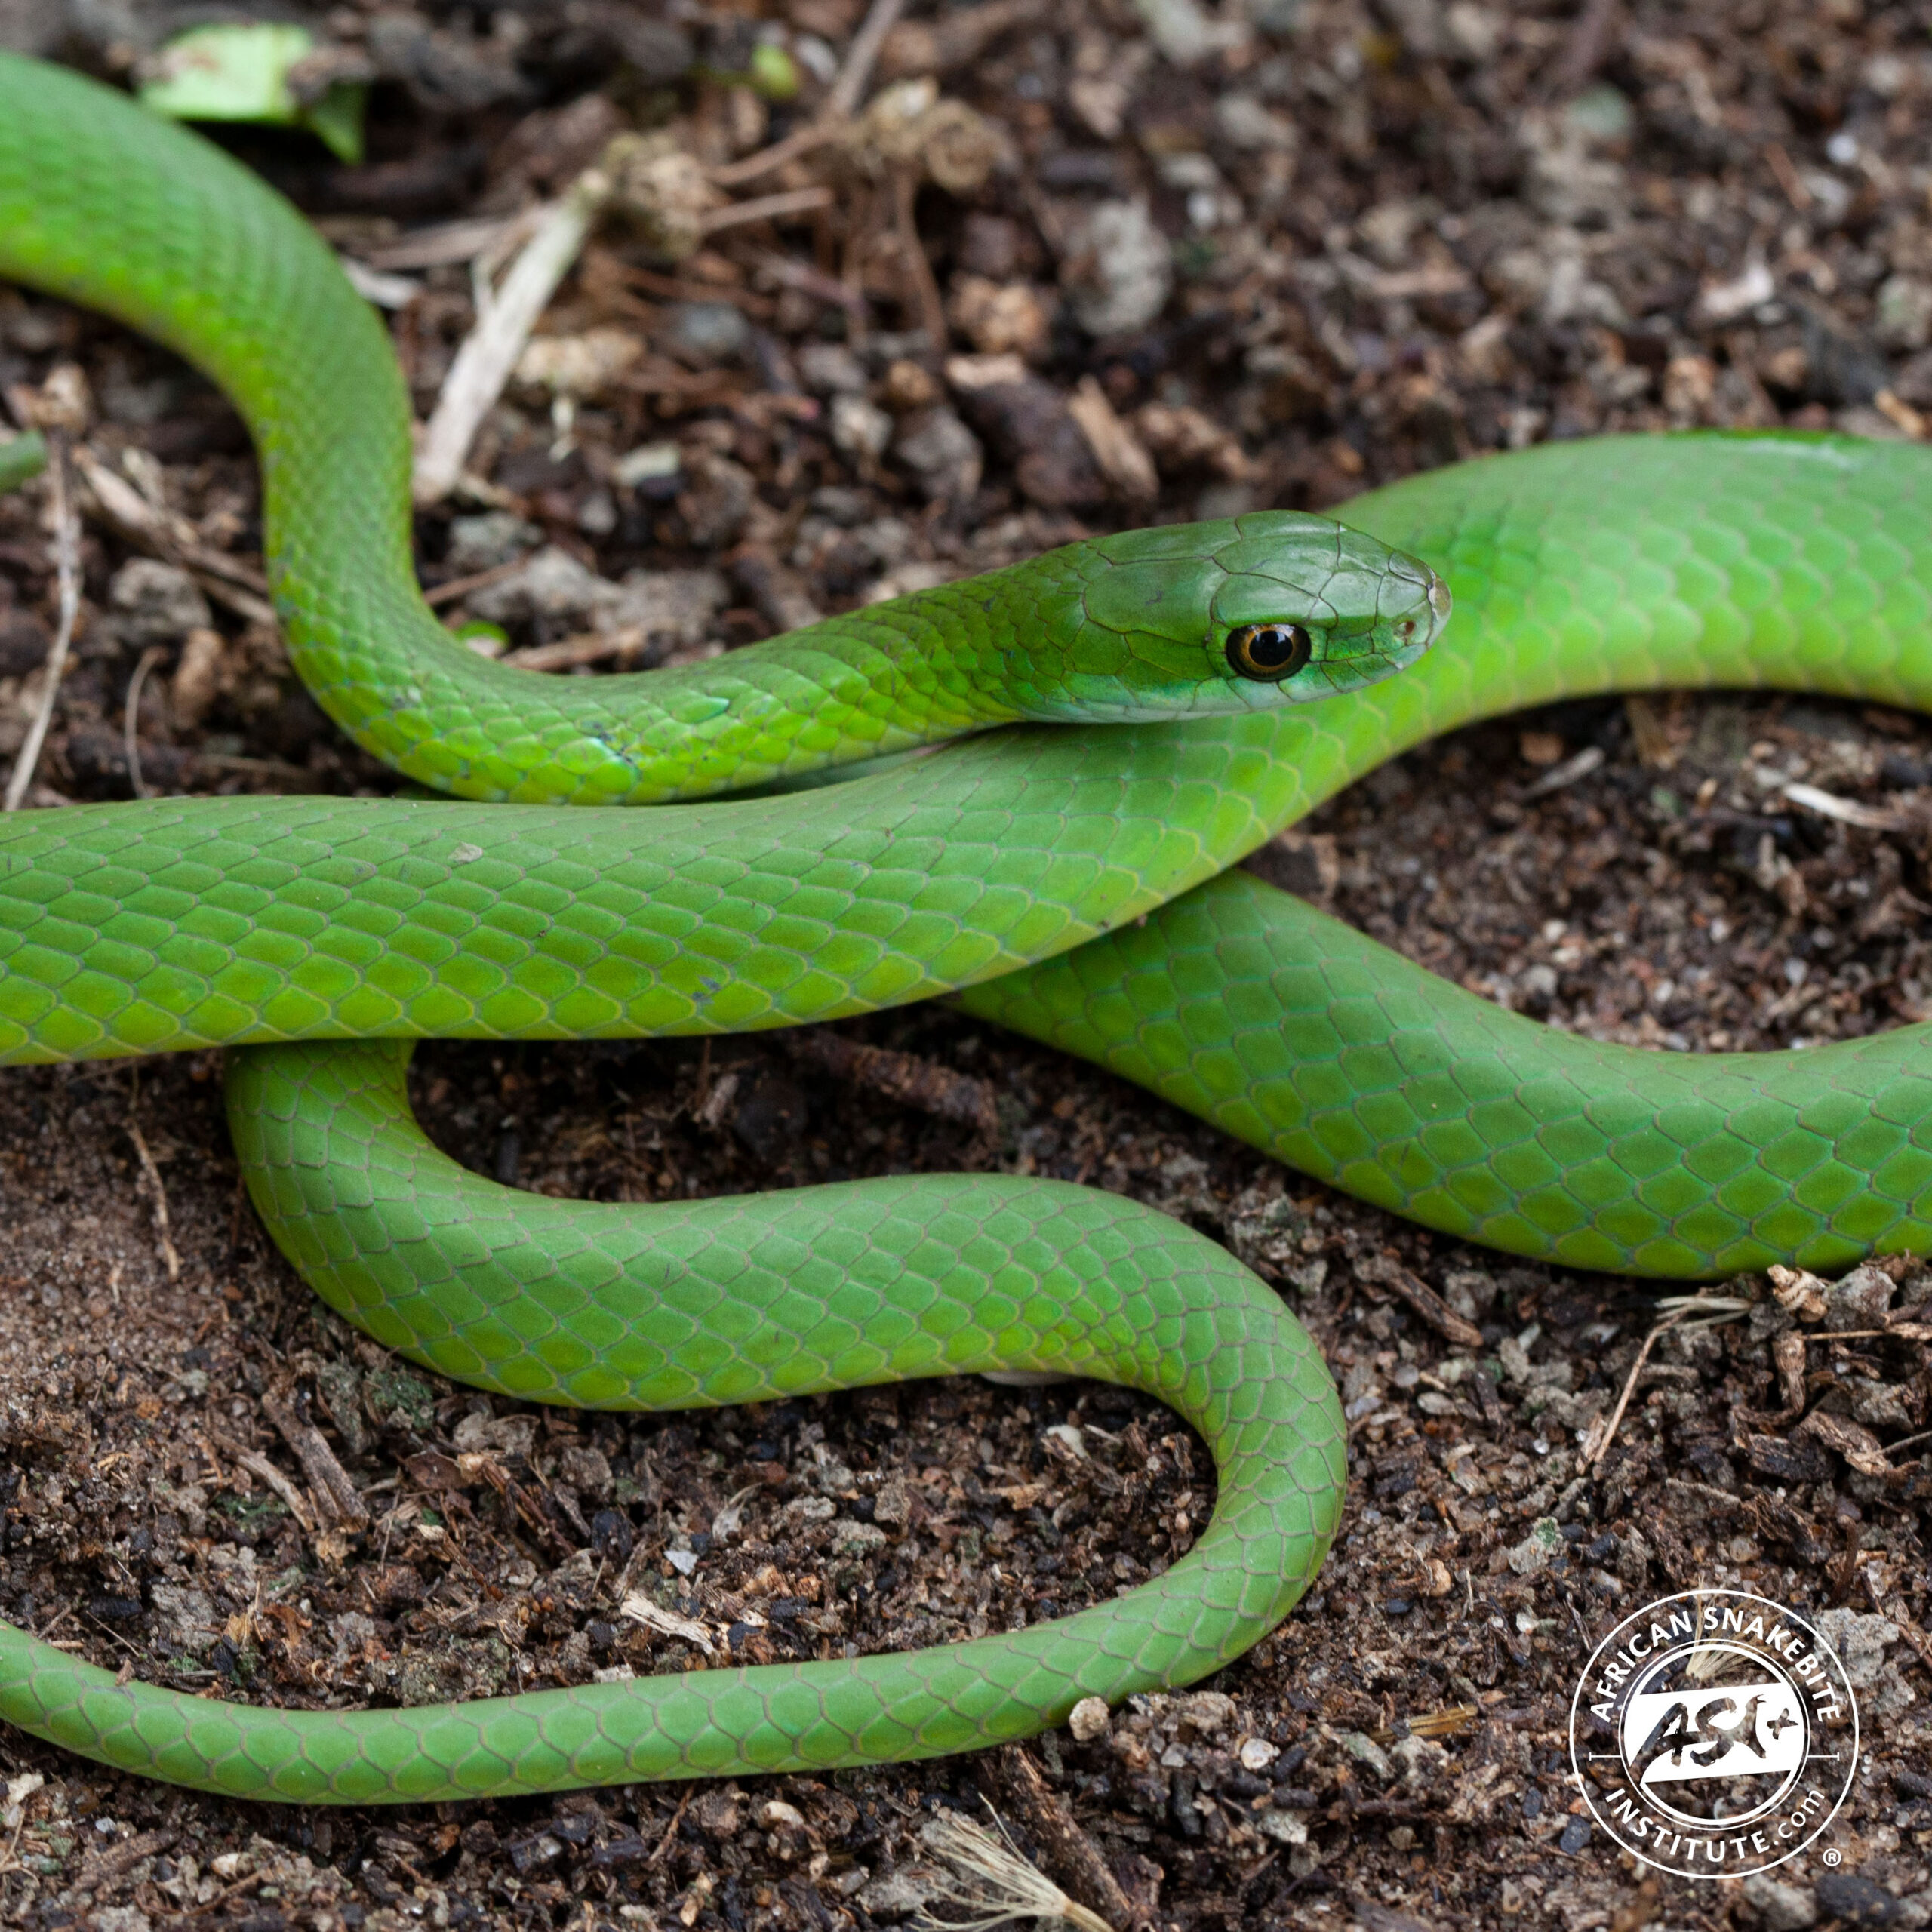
point(1695, 1311)
point(67, 570)
point(130, 713)
point(152, 1173)
point(993, 1883)
point(504, 321)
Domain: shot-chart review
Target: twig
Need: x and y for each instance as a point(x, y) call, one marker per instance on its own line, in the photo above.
point(1580, 766)
point(335, 1494)
point(670, 1830)
point(802, 276)
point(490, 351)
point(1846, 811)
point(256, 1463)
point(800, 141)
point(1385, 1271)
point(901, 1077)
point(239, 586)
point(932, 310)
point(460, 587)
point(842, 102)
point(67, 567)
point(588, 647)
point(130, 743)
point(768, 208)
point(451, 243)
point(152, 1171)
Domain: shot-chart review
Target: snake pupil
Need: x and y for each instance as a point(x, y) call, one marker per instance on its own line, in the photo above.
point(1269, 652)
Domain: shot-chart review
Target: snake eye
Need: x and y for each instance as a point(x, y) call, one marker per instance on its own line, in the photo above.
point(1270, 652)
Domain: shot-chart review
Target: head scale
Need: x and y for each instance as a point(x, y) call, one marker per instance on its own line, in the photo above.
point(1251, 614)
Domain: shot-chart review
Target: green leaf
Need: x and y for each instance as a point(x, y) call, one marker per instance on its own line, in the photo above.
point(337, 120)
point(241, 73)
point(773, 73)
point(21, 457)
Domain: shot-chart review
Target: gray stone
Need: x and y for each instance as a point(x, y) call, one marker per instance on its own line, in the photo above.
point(1853, 1899)
point(1540, 1549)
point(829, 369)
point(675, 609)
point(1860, 1300)
point(1779, 1907)
point(1118, 269)
point(553, 585)
point(944, 457)
point(482, 543)
point(155, 603)
point(707, 331)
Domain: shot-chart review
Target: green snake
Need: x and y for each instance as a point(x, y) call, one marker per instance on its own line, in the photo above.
point(1071, 883)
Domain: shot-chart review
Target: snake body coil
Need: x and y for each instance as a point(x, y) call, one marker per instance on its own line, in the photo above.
point(1071, 883)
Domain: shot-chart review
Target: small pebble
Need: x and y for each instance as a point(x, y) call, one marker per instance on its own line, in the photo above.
point(1089, 1720)
point(707, 331)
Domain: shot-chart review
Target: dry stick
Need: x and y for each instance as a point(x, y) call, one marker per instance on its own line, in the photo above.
point(840, 103)
point(1049, 1822)
point(766, 207)
point(67, 567)
point(130, 743)
point(256, 1463)
point(490, 351)
point(671, 1829)
point(1594, 1458)
point(587, 648)
point(932, 311)
point(336, 1495)
point(241, 587)
point(1385, 1271)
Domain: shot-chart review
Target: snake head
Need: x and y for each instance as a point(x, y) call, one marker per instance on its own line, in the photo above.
point(1247, 614)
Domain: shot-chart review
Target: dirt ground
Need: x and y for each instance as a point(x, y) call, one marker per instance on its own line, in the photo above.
point(1119, 264)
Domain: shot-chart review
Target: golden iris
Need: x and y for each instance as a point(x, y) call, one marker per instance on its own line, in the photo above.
point(1270, 652)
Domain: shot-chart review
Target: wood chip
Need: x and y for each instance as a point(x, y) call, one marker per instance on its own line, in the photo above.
point(1385, 1271)
point(1851, 1440)
point(335, 1496)
point(1122, 455)
point(641, 1609)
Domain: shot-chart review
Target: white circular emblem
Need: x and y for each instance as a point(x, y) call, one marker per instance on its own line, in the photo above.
point(1714, 1734)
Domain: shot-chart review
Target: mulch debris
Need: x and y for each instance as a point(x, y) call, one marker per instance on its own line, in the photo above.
point(1006, 275)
